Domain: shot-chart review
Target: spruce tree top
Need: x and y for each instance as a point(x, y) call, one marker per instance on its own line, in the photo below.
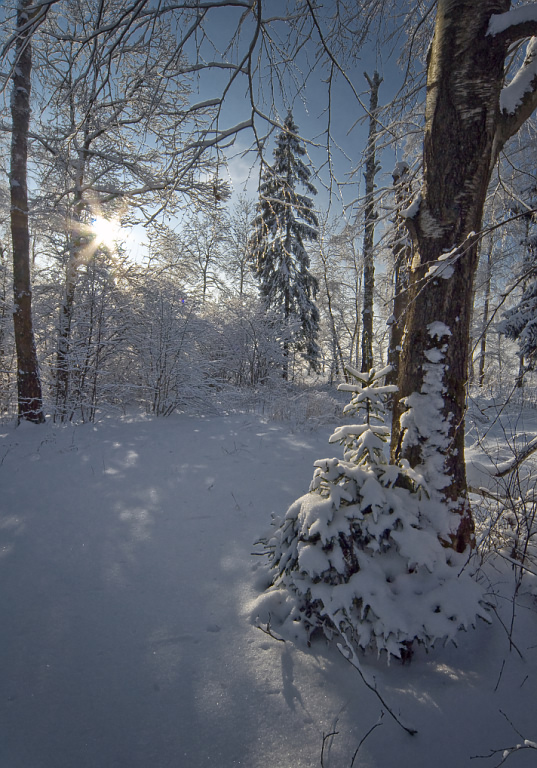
point(282, 211)
point(287, 156)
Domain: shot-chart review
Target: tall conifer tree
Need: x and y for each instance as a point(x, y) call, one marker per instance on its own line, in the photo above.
point(285, 221)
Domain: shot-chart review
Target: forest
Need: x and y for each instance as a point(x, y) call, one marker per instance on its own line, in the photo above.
point(237, 236)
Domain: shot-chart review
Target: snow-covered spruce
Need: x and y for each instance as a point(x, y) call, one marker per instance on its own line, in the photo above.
point(285, 221)
point(353, 556)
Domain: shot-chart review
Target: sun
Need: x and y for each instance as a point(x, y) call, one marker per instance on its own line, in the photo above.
point(105, 231)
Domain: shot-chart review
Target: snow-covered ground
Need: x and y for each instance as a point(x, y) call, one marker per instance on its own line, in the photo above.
point(127, 575)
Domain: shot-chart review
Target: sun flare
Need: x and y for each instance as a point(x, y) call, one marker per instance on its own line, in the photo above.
point(106, 231)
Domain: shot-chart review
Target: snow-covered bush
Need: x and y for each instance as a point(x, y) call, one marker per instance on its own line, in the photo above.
point(357, 556)
point(306, 407)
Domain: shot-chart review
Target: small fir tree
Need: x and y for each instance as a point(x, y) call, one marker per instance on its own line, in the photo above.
point(357, 556)
point(285, 221)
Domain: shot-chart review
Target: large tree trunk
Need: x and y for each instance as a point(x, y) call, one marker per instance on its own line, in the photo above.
point(30, 403)
point(464, 131)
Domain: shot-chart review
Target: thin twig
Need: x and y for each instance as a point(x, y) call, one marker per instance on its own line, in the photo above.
point(508, 751)
point(365, 737)
point(353, 661)
point(517, 563)
point(509, 635)
point(325, 739)
point(499, 676)
point(524, 454)
point(267, 630)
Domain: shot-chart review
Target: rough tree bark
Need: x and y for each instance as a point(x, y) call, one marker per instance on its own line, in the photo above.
point(30, 403)
point(465, 130)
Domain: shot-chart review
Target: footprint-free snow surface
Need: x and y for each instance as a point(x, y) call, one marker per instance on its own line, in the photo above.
point(126, 585)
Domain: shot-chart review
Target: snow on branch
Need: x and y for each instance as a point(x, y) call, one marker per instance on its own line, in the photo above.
point(524, 81)
point(510, 466)
point(515, 24)
point(518, 99)
point(506, 752)
point(412, 211)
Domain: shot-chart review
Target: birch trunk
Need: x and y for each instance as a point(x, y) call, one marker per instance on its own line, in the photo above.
point(30, 403)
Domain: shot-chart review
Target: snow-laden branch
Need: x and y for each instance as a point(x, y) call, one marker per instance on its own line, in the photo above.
point(519, 98)
point(519, 459)
point(524, 81)
point(515, 24)
point(506, 752)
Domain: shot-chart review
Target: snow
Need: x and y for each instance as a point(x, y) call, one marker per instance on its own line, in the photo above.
point(438, 330)
point(400, 168)
point(444, 266)
point(412, 211)
point(499, 22)
point(523, 82)
point(441, 269)
point(127, 584)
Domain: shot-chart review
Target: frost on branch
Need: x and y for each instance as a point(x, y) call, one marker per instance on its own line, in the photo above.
point(356, 556)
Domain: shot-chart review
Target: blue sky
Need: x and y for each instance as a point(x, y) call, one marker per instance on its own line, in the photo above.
point(309, 102)
point(307, 94)
point(349, 128)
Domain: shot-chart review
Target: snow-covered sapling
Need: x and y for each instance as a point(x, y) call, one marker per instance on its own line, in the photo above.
point(356, 557)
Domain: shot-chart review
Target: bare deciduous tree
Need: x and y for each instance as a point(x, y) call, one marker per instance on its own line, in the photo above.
point(30, 403)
